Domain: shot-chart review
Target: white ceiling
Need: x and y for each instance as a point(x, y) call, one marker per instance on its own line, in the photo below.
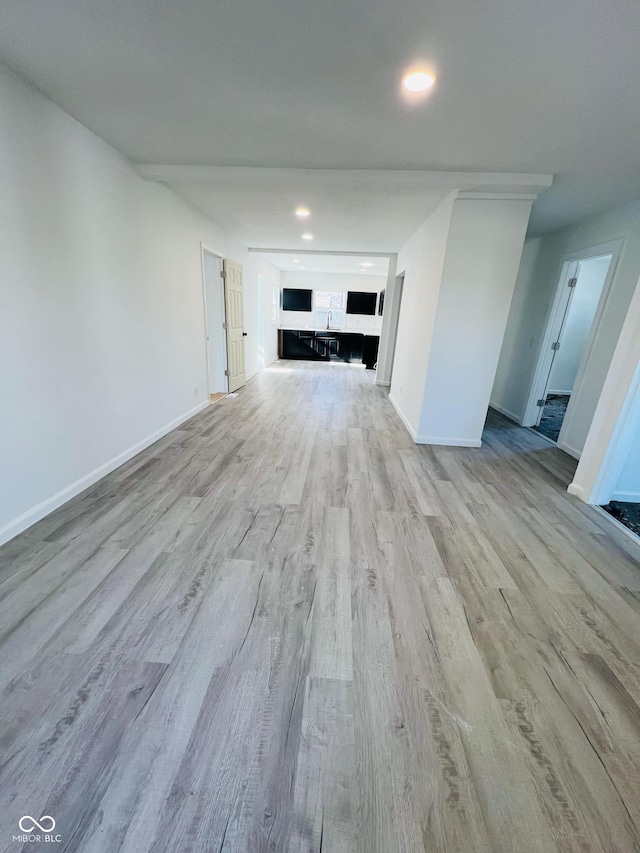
point(351, 210)
point(348, 215)
point(543, 86)
point(334, 264)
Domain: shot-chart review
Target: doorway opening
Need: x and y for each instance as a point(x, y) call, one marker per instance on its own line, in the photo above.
point(578, 303)
point(621, 498)
point(328, 306)
point(215, 333)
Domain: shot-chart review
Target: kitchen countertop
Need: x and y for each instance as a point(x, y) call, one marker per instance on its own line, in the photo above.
point(375, 332)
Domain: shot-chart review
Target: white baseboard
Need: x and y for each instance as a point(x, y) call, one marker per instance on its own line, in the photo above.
point(430, 439)
point(570, 450)
point(578, 491)
point(259, 369)
point(626, 497)
point(44, 508)
point(382, 384)
point(448, 442)
point(511, 415)
point(402, 417)
point(562, 393)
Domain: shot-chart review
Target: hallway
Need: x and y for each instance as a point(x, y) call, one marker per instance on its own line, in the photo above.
point(285, 627)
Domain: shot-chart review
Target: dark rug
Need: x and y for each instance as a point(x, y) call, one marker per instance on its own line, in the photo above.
point(626, 513)
point(555, 408)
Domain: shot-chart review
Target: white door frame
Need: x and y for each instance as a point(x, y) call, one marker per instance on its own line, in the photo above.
point(568, 265)
point(386, 347)
point(206, 249)
point(615, 421)
point(392, 306)
point(545, 358)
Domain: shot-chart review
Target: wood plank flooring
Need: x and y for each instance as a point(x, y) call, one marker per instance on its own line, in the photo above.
point(285, 627)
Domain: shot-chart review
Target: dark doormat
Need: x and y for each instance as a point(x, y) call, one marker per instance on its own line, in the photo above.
point(555, 408)
point(626, 513)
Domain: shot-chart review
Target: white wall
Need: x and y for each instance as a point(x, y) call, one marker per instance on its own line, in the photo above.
point(535, 290)
point(334, 283)
point(481, 263)
point(421, 260)
point(575, 333)
point(459, 273)
point(529, 307)
point(102, 323)
point(627, 487)
point(256, 266)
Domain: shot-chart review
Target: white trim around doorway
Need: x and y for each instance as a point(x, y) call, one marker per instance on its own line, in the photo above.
point(568, 266)
point(206, 249)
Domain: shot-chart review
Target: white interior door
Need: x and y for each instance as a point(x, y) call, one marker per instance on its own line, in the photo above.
point(545, 360)
point(568, 348)
point(563, 312)
point(235, 324)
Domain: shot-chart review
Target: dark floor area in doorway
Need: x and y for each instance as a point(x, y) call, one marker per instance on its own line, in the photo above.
point(626, 513)
point(553, 414)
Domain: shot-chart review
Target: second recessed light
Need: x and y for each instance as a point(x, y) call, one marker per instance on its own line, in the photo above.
point(418, 81)
point(307, 236)
point(302, 212)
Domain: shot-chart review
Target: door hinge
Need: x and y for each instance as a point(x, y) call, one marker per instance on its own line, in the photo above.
point(572, 282)
point(555, 346)
point(540, 403)
point(226, 373)
point(222, 274)
point(225, 326)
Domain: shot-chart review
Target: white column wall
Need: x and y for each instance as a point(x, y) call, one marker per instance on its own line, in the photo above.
point(483, 254)
point(615, 423)
point(459, 273)
point(421, 260)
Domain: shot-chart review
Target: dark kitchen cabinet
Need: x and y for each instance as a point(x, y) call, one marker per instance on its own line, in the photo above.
point(370, 350)
point(329, 346)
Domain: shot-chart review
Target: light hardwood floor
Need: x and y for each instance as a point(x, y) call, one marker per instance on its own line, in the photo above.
point(285, 627)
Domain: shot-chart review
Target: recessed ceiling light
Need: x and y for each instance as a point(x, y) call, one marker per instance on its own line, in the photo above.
point(418, 81)
point(296, 260)
point(302, 212)
point(366, 264)
point(307, 236)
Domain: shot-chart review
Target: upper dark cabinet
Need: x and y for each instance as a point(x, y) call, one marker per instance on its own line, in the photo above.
point(296, 299)
point(361, 303)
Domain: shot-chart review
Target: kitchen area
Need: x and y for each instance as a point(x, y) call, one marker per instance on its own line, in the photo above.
point(332, 317)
